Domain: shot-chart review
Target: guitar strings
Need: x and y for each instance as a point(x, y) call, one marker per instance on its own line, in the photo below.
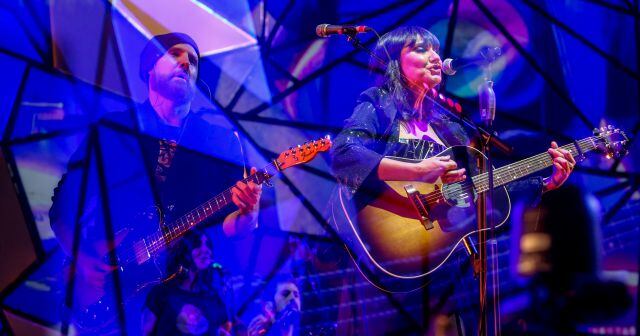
point(156, 240)
point(480, 181)
point(537, 162)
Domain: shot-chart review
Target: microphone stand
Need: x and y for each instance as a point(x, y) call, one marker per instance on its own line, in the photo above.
point(484, 204)
point(351, 37)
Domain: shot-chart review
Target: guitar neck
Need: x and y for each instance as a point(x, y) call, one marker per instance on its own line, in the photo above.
point(176, 229)
point(522, 168)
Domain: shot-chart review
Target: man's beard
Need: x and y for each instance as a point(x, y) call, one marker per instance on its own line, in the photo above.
point(290, 315)
point(173, 90)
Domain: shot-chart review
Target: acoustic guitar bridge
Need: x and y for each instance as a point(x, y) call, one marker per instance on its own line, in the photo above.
point(414, 197)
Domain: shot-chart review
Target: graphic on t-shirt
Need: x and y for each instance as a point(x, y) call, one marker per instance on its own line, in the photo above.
point(165, 157)
point(191, 320)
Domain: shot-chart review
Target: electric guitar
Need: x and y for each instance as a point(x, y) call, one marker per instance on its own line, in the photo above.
point(138, 258)
point(410, 229)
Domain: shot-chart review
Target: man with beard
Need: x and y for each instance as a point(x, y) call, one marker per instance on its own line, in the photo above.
point(159, 155)
point(280, 315)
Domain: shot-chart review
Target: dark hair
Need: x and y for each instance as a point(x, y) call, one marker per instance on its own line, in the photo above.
point(180, 261)
point(389, 48)
point(272, 287)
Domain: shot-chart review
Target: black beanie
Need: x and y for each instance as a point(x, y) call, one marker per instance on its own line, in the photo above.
point(157, 46)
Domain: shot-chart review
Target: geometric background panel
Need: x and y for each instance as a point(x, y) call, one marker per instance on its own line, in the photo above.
point(14, 70)
point(152, 19)
point(15, 238)
point(241, 68)
point(23, 325)
point(24, 35)
point(39, 292)
point(565, 68)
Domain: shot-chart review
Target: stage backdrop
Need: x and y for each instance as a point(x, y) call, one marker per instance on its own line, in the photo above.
point(566, 68)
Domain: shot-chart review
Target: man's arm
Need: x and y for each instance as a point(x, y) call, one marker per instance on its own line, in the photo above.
point(239, 224)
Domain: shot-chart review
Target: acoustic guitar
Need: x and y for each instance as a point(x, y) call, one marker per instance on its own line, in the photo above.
point(410, 229)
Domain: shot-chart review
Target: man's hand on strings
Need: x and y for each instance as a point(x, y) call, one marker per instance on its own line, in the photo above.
point(246, 196)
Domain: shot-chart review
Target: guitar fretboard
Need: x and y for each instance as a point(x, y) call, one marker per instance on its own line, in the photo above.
point(514, 171)
point(148, 247)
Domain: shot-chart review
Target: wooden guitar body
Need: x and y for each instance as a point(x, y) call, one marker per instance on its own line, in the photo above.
point(404, 231)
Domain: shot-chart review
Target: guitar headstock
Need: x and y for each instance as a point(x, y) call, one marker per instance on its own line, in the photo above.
point(303, 153)
point(611, 141)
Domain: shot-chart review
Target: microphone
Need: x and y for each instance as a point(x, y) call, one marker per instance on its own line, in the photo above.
point(486, 55)
point(289, 315)
point(326, 30)
point(217, 267)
